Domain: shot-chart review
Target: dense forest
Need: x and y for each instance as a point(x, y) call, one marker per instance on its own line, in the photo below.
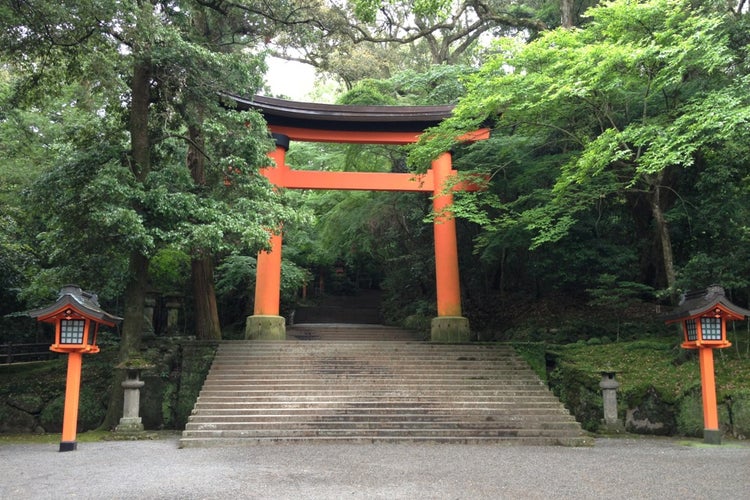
point(617, 171)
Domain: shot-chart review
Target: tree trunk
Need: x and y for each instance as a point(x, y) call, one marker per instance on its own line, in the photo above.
point(207, 325)
point(662, 231)
point(135, 289)
point(132, 331)
point(140, 143)
point(566, 13)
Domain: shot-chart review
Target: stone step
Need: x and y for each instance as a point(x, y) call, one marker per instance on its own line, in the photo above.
point(360, 384)
point(427, 433)
point(380, 383)
point(375, 365)
point(444, 414)
point(377, 346)
point(339, 377)
point(348, 349)
point(332, 369)
point(228, 406)
point(359, 398)
point(441, 420)
point(360, 336)
point(557, 440)
point(443, 426)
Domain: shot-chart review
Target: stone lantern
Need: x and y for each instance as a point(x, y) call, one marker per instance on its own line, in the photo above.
point(703, 315)
point(77, 316)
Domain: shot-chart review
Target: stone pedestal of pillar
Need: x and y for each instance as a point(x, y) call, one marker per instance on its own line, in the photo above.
point(450, 329)
point(265, 327)
point(131, 421)
point(609, 386)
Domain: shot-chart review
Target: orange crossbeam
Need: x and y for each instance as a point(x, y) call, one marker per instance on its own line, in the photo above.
point(359, 181)
point(362, 181)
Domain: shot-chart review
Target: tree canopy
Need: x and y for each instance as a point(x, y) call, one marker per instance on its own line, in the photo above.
point(611, 116)
point(616, 168)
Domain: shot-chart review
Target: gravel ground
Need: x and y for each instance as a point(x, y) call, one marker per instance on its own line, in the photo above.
point(613, 468)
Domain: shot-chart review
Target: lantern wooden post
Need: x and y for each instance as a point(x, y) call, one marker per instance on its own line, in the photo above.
point(72, 398)
point(703, 315)
point(76, 315)
point(711, 431)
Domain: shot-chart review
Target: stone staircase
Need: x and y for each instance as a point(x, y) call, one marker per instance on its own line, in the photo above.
point(350, 332)
point(375, 391)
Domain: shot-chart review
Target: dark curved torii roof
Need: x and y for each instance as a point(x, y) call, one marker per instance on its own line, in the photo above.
point(281, 112)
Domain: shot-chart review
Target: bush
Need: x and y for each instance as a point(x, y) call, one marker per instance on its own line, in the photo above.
point(52, 415)
point(739, 412)
point(579, 391)
point(690, 416)
point(418, 323)
point(91, 412)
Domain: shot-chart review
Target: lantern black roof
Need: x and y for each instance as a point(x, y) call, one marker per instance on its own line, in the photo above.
point(86, 303)
point(697, 302)
point(283, 112)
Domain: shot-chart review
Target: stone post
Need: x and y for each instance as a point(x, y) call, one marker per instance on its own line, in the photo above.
point(609, 387)
point(173, 304)
point(149, 305)
point(131, 421)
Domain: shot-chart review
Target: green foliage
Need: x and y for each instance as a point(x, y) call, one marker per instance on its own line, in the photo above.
point(442, 84)
point(368, 92)
point(535, 354)
point(196, 362)
point(36, 393)
point(690, 416)
point(662, 394)
point(739, 410)
point(235, 279)
point(366, 10)
point(598, 130)
point(617, 294)
point(579, 392)
point(112, 180)
point(169, 270)
point(235, 283)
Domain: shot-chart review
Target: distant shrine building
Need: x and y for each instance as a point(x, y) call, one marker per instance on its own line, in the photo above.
point(291, 121)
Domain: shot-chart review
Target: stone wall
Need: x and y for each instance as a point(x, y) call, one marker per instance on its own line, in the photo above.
point(32, 395)
point(644, 410)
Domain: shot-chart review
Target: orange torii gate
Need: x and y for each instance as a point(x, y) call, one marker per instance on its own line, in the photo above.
point(397, 125)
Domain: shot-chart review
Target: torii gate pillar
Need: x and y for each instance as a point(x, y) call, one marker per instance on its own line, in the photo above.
point(449, 325)
point(266, 323)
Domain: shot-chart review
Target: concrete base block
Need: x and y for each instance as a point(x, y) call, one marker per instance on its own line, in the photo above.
point(262, 327)
point(450, 329)
point(129, 425)
point(610, 427)
point(711, 436)
point(68, 446)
